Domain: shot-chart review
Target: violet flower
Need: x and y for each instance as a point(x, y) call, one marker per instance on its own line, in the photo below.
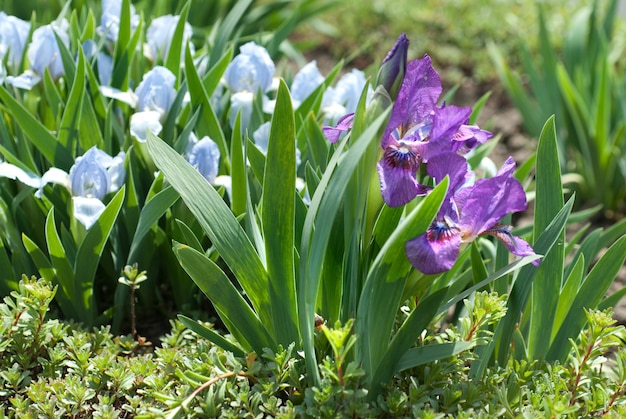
point(468, 213)
point(417, 130)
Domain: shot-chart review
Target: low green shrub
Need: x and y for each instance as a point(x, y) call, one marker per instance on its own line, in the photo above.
point(54, 369)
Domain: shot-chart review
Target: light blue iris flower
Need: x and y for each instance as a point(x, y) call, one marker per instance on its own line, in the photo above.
point(248, 73)
point(156, 91)
point(344, 97)
point(13, 36)
point(104, 61)
point(43, 52)
point(94, 175)
point(160, 34)
point(304, 83)
point(204, 155)
point(262, 137)
point(91, 178)
point(110, 19)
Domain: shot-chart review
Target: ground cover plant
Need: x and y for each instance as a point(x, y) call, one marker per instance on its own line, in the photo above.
point(349, 230)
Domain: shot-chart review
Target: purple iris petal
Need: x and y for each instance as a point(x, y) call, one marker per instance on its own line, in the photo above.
point(417, 97)
point(344, 124)
point(469, 137)
point(515, 245)
point(396, 171)
point(436, 250)
point(453, 166)
point(488, 201)
point(446, 122)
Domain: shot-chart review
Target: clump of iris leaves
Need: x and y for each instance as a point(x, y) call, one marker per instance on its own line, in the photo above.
point(352, 235)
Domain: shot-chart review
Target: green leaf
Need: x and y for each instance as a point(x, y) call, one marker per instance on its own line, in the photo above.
point(385, 282)
point(523, 284)
point(46, 270)
point(418, 320)
point(150, 214)
point(37, 134)
point(64, 270)
point(317, 229)
point(218, 222)
point(172, 61)
point(278, 216)
point(226, 29)
point(568, 294)
point(88, 257)
point(211, 335)
point(208, 124)
point(238, 171)
point(185, 235)
point(430, 353)
point(214, 75)
point(68, 131)
point(226, 298)
point(549, 277)
point(589, 296)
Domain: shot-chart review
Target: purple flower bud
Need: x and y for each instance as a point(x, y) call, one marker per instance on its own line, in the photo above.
point(391, 72)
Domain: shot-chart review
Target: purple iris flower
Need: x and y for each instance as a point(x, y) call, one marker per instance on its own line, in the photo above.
point(417, 130)
point(466, 213)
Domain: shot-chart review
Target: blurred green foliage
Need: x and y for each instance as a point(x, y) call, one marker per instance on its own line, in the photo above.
point(453, 32)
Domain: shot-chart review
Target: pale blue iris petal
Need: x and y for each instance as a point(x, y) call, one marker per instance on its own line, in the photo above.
point(43, 51)
point(251, 70)
point(11, 171)
point(205, 156)
point(110, 20)
point(88, 178)
point(241, 102)
point(87, 210)
point(156, 91)
point(262, 136)
point(141, 122)
point(305, 82)
point(160, 34)
point(13, 35)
